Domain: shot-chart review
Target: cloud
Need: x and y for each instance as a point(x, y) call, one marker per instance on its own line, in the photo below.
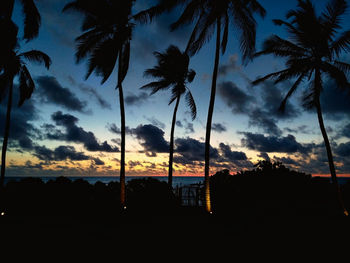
point(335, 102)
point(262, 143)
point(136, 100)
point(231, 66)
point(151, 139)
point(74, 133)
point(155, 122)
point(235, 98)
point(264, 121)
point(343, 149)
point(22, 131)
point(87, 89)
point(264, 156)
point(50, 91)
point(116, 130)
point(230, 155)
point(219, 128)
point(61, 153)
point(345, 132)
point(190, 150)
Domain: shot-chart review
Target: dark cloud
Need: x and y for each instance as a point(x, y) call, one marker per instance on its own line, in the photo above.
point(151, 139)
point(49, 90)
point(136, 100)
point(98, 161)
point(272, 96)
point(230, 155)
point(343, 149)
point(74, 133)
point(22, 131)
point(335, 102)
point(235, 98)
point(88, 90)
point(60, 153)
point(116, 130)
point(345, 132)
point(190, 150)
point(264, 156)
point(179, 124)
point(286, 160)
point(155, 122)
point(217, 127)
point(262, 143)
point(264, 121)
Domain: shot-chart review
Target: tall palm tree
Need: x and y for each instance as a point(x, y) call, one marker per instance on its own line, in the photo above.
point(107, 28)
point(173, 73)
point(15, 66)
point(210, 16)
point(312, 52)
point(31, 14)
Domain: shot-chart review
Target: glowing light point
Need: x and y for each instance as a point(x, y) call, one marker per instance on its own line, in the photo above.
point(124, 207)
point(2, 213)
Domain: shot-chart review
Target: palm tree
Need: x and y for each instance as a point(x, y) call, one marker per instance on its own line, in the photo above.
point(210, 16)
point(172, 73)
point(107, 27)
point(31, 14)
point(15, 66)
point(312, 51)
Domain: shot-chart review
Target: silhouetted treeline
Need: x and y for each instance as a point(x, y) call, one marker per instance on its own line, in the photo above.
point(270, 189)
point(62, 196)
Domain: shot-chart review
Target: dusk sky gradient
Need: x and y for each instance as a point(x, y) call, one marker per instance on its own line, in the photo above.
point(71, 126)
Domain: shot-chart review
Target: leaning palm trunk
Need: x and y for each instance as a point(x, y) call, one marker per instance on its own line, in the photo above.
point(209, 120)
point(330, 158)
point(6, 136)
point(122, 150)
point(171, 151)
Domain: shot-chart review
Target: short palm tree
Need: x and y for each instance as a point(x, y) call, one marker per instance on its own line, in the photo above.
point(312, 52)
point(31, 14)
point(15, 66)
point(211, 16)
point(173, 73)
point(107, 27)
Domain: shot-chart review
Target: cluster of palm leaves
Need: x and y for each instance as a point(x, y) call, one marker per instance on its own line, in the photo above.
point(312, 51)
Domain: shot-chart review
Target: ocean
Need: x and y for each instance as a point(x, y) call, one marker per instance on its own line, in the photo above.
point(177, 180)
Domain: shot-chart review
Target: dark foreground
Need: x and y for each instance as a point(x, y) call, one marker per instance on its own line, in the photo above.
point(289, 213)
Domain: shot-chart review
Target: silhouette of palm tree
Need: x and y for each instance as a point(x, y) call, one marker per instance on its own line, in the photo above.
point(13, 66)
point(210, 16)
point(31, 14)
point(312, 51)
point(172, 73)
point(106, 39)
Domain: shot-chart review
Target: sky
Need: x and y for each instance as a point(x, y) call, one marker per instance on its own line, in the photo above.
point(71, 126)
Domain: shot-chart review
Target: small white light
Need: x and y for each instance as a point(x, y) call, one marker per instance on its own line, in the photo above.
point(124, 207)
point(2, 213)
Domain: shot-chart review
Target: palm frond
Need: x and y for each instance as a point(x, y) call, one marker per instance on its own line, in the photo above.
point(290, 93)
point(26, 85)
point(336, 74)
point(37, 56)
point(191, 74)
point(342, 66)
point(269, 76)
point(157, 86)
point(341, 44)
point(32, 19)
point(191, 104)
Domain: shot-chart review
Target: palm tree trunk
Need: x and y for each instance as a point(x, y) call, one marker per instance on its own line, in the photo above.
point(6, 136)
point(122, 149)
point(171, 151)
point(330, 157)
point(209, 120)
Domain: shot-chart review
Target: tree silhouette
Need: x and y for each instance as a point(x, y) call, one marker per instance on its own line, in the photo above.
point(210, 16)
point(107, 28)
point(31, 15)
point(15, 66)
point(312, 51)
point(172, 73)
